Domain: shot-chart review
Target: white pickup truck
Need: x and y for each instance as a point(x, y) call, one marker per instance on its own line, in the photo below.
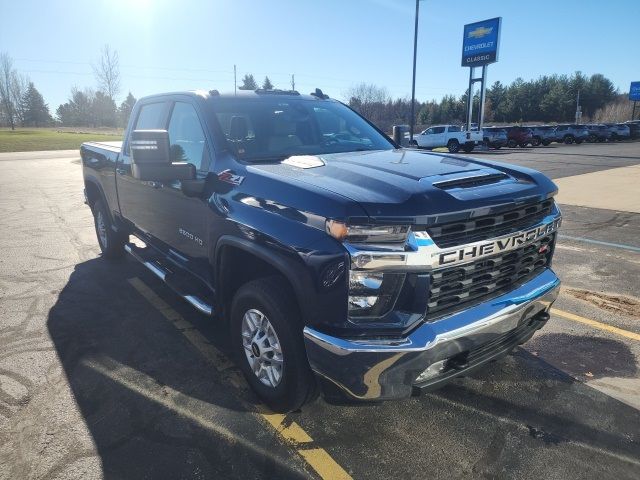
point(450, 136)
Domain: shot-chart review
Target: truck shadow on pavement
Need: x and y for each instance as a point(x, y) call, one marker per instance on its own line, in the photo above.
point(155, 408)
point(153, 405)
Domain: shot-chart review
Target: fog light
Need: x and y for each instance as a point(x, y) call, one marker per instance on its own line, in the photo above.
point(358, 303)
point(373, 294)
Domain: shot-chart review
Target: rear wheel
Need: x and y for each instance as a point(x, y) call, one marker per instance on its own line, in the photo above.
point(569, 139)
point(512, 143)
point(268, 345)
point(453, 146)
point(535, 141)
point(111, 242)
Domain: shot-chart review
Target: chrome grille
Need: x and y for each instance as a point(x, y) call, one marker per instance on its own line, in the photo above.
point(456, 287)
point(452, 234)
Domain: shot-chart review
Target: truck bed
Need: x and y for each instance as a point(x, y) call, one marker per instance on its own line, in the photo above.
point(114, 146)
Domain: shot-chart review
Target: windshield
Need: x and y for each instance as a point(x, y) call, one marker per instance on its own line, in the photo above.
point(272, 128)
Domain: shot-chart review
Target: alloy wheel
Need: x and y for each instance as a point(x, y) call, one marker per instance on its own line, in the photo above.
point(262, 348)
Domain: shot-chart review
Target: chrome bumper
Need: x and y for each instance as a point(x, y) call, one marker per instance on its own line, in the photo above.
point(387, 369)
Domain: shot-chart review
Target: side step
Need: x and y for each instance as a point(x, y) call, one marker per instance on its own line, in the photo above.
point(146, 257)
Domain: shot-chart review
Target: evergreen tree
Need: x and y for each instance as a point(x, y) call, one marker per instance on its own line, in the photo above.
point(104, 110)
point(35, 111)
point(248, 83)
point(267, 85)
point(124, 112)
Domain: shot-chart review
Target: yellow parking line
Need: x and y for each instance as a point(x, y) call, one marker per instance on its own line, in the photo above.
point(292, 433)
point(594, 323)
point(324, 465)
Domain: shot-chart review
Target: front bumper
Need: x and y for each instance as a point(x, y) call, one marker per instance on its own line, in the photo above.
point(385, 369)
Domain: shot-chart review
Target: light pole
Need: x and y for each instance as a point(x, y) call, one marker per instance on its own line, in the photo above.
point(413, 83)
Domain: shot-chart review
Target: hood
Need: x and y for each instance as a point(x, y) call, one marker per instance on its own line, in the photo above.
point(412, 184)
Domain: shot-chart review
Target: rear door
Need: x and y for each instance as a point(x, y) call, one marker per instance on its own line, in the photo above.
point(437, 138)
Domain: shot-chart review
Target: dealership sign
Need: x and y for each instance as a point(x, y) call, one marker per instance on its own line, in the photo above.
point(480, 42)
point(634, 91)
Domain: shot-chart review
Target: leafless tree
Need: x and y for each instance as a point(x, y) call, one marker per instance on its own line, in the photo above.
point(107, 72)
point(19, 86)
point(366, 93)
point(7, 80)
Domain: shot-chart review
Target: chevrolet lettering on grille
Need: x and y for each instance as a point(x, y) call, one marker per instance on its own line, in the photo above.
point(500, 245)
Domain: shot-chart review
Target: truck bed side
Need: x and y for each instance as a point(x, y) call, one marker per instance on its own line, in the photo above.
point(98, 169)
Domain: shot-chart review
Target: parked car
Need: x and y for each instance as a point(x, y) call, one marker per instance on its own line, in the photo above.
point(451, 136)
point(619, 131)
point(599, 133)
point(335, 260)
point(570, 133)
point(634, 128)
point(518, 136)
point(494, 137)
point(542, 134)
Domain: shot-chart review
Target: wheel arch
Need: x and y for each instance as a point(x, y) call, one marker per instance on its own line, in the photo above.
point(237, 261)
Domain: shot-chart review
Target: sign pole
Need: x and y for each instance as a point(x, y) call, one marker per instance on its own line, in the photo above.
point(482, 96)
point(633, 114)
point(413, 83)
point(470, 99)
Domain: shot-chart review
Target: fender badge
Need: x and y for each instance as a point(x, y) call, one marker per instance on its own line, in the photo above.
point(229, 177)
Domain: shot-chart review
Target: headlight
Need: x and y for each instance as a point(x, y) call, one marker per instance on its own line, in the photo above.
point(367, 233)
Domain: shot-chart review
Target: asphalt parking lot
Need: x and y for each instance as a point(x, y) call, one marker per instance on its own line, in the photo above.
point(105, 373)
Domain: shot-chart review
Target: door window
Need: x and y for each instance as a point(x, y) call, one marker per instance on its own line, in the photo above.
point(186, 137)
point(437, 130)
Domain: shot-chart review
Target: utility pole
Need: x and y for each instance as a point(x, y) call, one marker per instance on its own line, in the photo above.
point(413, 83)
point(235, 81)
point(293, 82)
point(578, 110)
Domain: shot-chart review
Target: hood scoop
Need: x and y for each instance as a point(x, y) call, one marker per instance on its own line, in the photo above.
point(471, 181)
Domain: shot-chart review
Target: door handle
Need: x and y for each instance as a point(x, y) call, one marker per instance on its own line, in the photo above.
point(120, 171)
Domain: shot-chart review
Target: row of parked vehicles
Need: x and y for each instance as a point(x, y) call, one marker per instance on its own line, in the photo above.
point(455, 138)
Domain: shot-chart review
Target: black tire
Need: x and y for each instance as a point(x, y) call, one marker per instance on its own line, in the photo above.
point(511, 143)
point(524, 145)
point(273, 298)
point(579, 141)
point(535, 141)
point(614, 137)
point(568, 140)
point(111, 242)
point(453, 146)
point(468, 148)
point(546, 143)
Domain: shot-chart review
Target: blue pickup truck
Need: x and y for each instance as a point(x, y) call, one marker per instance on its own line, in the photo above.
point(339, 262)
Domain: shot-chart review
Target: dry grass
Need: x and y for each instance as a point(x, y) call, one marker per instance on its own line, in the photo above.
point(35, 139)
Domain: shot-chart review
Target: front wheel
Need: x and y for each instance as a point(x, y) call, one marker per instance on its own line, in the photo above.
point(568, 139)
point(268, 344)
point(453, 146)
point(535, 141)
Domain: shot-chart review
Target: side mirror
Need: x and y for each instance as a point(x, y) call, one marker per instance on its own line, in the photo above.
point(151, 158)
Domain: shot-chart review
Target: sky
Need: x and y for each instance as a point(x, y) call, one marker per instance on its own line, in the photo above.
point(166, 45)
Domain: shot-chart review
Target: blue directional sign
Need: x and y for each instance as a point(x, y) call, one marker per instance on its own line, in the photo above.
point(634, 91)
point(480, 42)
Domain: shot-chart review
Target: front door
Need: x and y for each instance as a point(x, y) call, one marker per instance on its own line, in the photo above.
point(175, 223)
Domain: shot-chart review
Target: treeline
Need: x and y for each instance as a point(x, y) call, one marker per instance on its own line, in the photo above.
point(21, 104)
point(546, 99)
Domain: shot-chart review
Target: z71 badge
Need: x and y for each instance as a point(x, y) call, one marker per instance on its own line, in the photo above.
point(230, 177)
